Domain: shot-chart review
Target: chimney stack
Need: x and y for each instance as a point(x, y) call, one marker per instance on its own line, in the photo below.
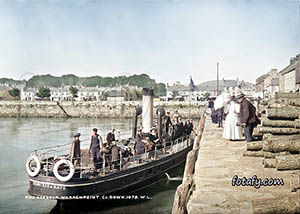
point(147, 103)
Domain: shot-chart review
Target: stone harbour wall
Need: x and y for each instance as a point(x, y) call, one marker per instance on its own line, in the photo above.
point(102, 109)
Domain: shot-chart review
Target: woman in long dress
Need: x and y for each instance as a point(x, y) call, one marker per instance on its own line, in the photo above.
point(231, 130)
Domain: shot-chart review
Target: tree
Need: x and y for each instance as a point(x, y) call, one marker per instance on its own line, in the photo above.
point(44, 92)
point(175, 94)
point(74, 91)
point(15, 92)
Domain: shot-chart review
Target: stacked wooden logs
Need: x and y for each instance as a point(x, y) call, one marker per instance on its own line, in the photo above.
point(280, 129)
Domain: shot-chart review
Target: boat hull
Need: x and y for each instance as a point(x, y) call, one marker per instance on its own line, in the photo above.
point(121, 182)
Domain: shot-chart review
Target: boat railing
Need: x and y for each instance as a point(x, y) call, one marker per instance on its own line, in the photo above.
point(139, 159)
point(109, 163)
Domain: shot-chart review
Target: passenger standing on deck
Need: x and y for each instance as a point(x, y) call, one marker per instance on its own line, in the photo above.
point(75, 152)
point(139, 146)
point(115, 155)
point(248, 116)
point(110, 137)
point(190, 127)
point(95, 145)
point(168, 122)
point(179, 130)
point(154, 136)
point(150, 147)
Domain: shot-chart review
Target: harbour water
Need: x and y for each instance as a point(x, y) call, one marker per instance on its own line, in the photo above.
point(20, 136)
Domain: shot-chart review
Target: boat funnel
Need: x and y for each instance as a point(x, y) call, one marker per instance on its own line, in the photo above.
point(147, 104)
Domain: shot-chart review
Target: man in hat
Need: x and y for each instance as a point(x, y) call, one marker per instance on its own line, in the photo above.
point(110, 137)
point(95, 145)
point(247, 115)
point(139, 146)
point(211, 105)
point(75, 152)
point(150, 147)
point(115, 155)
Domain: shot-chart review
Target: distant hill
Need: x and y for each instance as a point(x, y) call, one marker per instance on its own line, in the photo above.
point(11, 81)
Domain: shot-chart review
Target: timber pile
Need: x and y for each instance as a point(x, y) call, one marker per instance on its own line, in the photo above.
point(280, 128)
point(288, 203)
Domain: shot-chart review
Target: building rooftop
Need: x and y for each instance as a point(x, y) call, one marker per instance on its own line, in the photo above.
point(294, 63)
point(212, 85)
point(116, 93)
point(89, 89)
point(4, 88)
point(261, 78)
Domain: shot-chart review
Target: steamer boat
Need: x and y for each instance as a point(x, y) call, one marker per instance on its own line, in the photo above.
point(53, 175)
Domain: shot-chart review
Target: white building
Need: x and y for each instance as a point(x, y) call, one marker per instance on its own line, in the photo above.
point(29, 94)
point(289, 80)
point(89, 94)
point(183, 92)
point(60, 94)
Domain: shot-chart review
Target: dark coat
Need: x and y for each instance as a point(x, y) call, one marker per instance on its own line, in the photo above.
point(115, 153)
point(168, 121)
point(95, 142)
point(248, 112)
point(75, 149)
point(140, 147)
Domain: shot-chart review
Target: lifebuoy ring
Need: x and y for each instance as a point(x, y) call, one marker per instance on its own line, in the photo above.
point(38, 166)
point(71, 167)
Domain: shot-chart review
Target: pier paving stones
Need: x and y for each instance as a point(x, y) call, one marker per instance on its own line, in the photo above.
point(218, 161)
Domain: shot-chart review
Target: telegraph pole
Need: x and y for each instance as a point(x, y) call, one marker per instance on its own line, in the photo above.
point(217, 79)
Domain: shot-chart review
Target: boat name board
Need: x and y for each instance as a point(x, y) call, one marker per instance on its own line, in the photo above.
point(47, 185)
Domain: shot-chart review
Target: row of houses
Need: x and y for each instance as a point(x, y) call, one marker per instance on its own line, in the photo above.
point(286, 80)
point(83, 94)
point(206, 89)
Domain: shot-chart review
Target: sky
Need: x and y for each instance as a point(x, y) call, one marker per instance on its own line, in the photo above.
point(170, 40)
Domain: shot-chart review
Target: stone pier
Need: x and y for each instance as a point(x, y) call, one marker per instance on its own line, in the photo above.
point(218, 161)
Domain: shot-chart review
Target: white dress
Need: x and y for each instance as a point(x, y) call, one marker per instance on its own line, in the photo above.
point(231, 130)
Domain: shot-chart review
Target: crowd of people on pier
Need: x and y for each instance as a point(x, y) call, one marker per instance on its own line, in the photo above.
point(110, 151)
point(237, 111)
